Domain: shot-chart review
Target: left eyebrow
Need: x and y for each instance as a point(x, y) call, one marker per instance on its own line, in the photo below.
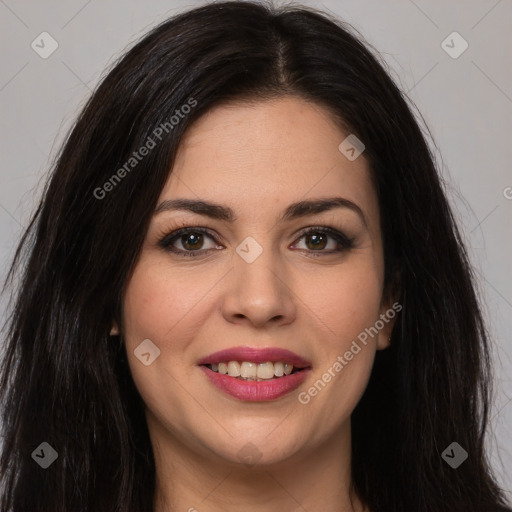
point(315, 206)
point(293, 211)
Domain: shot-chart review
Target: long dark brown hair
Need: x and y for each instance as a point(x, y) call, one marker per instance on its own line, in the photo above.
point(65, 381)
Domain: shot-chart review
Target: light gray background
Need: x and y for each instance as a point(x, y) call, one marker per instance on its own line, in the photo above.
point(466, 102)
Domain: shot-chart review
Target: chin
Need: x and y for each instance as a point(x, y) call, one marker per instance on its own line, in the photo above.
point(260, 450)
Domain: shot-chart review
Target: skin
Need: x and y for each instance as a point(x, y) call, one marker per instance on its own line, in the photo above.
point(295, 295)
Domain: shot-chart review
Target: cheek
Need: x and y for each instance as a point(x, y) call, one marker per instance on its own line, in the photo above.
point(345, 301)
point(164, 307)
point(159, 302)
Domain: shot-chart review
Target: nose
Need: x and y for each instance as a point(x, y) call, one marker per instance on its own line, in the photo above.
point(259, 292)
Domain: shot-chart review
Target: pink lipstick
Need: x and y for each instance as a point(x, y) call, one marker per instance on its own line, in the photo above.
point(255, 374)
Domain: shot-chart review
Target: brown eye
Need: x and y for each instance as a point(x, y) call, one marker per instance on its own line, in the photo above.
point(324, 240)
point(192, 241)
point(316, 241)
point(189, 242)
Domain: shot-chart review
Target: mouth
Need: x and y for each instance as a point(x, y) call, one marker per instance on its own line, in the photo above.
point(255, 374)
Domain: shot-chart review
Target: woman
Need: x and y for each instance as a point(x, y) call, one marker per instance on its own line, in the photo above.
point(244, 290)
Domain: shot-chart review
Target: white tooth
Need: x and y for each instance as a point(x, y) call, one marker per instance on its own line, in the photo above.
point(215, 367)
point(248, 369)
point(279, 369)
point(265, 370)
point(288, 368)
point(223, 368)
point(233, 368)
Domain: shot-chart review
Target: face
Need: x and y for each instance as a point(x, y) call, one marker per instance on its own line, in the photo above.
point(268, 282)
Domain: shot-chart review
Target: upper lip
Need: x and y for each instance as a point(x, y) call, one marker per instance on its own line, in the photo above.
point(256, 355)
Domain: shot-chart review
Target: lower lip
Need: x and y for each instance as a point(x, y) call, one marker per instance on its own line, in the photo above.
point(256, 391)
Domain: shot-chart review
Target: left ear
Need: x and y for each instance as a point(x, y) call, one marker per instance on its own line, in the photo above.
point(387, 322)
point(115, 329)
point(388, 312)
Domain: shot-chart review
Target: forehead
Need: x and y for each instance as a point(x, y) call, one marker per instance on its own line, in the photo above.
point(266, 153)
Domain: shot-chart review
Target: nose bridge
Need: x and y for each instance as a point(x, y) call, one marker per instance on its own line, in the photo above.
point(258, 290)
point(257, 265)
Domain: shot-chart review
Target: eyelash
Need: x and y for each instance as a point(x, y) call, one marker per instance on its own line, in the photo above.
point(344, 241)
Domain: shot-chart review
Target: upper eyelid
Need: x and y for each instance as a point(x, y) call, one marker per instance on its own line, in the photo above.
point(184, 229)
point(176, 233)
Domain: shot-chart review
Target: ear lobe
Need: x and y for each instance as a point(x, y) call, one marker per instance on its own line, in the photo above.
point(115, 330)
point(387, 322)
point(389, 311)
point(383, 342)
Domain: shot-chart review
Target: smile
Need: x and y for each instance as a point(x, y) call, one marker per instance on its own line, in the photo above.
point(255, 375)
